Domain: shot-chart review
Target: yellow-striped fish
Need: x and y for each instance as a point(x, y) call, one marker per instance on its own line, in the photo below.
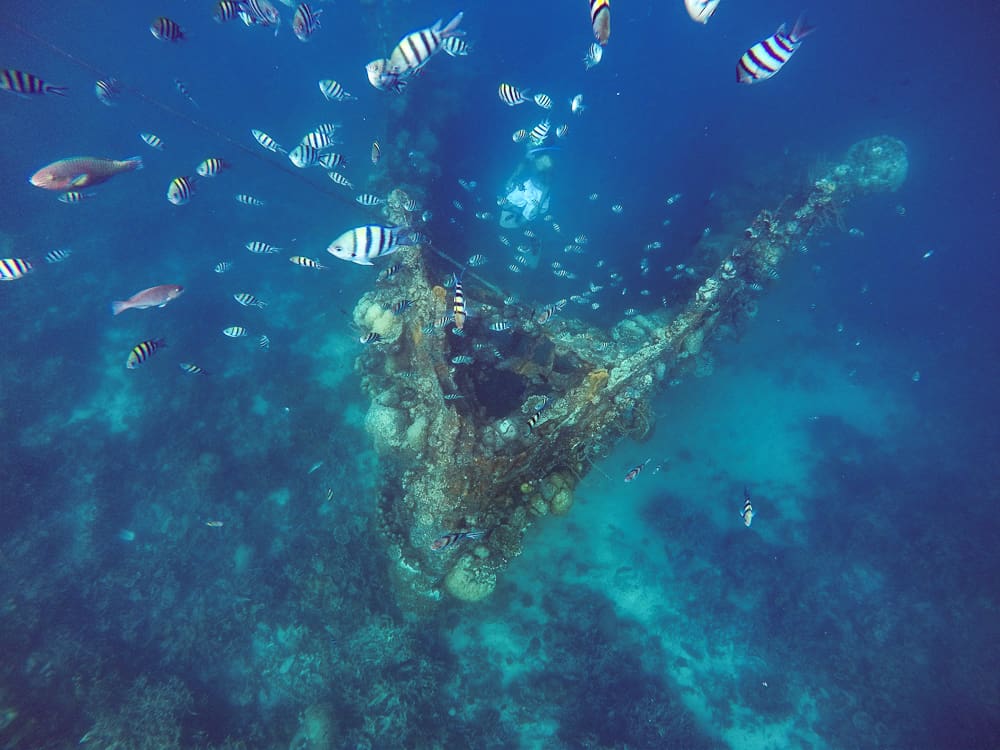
point(143, 351)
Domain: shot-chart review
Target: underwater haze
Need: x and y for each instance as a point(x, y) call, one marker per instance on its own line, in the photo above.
point(191, 550)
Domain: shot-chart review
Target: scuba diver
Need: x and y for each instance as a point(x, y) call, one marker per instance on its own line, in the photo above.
point(527, 191)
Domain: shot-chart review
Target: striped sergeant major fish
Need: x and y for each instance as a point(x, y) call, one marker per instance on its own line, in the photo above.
point(143, 351)
point(248, 200)
point(180, 190)
point(334, 91)
point(57, 256)
point(301, 260)
point(331, 160)
point(248, 300)
point(361, 244)
point(107, 91)
point(305, 22)
point(211, 167)
point(260, 13)
point(533, 419)
point(192, 369)
point(369, 200)
point(303, 156)
point(227, 10)
point(74, 196)
point(511, 95)
point(267, 141)
point(747, 513)
point(415, 49)
point(341, 179)
point(166, 30)
point(152, 140)
point(543, 100)
point(377, 151)
point(767, 56)
point(12, 269)
point(264, 343)
point(19, 82)
point(447, 540)
point(235, 332)
point(456, 46)
point(600, 20)
point(539, 133)
point(458, 306)
point(259, 247)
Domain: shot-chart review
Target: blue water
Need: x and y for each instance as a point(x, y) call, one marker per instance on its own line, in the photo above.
point(858, 406)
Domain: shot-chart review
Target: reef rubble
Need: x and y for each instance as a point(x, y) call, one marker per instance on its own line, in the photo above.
point(455, 448)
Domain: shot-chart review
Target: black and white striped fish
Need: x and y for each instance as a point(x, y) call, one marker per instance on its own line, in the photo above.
point(222, 266)
point(248, 200)
point(14, 268)
point(180, 190)
point(747, 512)
point(191, 368)
point(266, 141)
point(257, 247)
point(211, 167)
point(19, 82)
point(334, 92)
point(331, 160)
point(305, 22)
point(767, 56)
point(388, 273)
point(166, 30)
point(519, 135)
point(533, 419)
point(370, 338)
point(304, 155)
point(456, 46)
point(227, 10)
point(248, 300)
point(511, 95)
point(401, 307)
point(152, 140)
point(301, 260)
point(235, 332)
point(317, 140)
point(57, 256)
point(415, 49)
point(501, 326)
point(264, 343)
point(377, 151)
point(143, 351)
point(361, 244)
point(341, 180)
point(540, 132)
point(75, 196)
point(477, 260)
point(543, 100)
point(458, 305)
point(367, 199)
point(107, 91)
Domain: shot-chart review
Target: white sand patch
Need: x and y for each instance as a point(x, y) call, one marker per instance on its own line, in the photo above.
point(745, 424)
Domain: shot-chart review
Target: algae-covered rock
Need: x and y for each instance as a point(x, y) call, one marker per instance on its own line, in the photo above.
point(317, 730)
point(470, 580)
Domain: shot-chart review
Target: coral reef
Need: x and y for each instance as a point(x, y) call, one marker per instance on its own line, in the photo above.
point(456, 451)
